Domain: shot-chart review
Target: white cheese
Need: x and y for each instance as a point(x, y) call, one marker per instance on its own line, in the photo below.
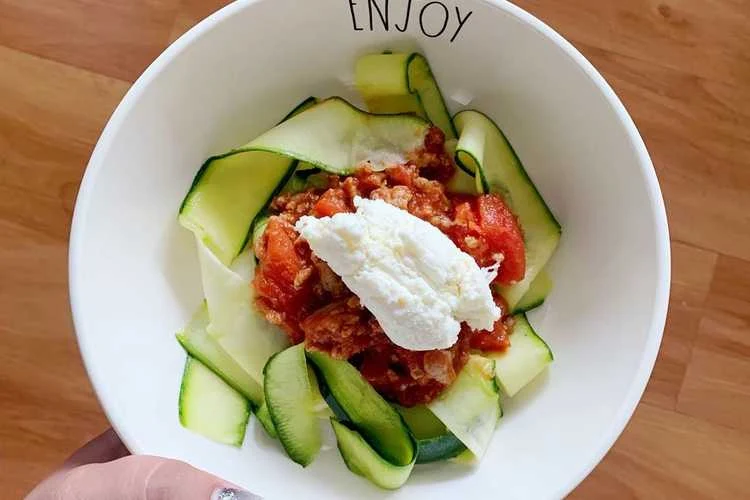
point(417, 283)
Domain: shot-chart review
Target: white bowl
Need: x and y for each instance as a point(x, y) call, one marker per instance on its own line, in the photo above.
point(134, 271)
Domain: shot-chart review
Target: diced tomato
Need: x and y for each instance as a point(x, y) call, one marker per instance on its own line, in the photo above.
point(402, 175)
point(332, 202)
point(281, 262)
point(369, 180)
point(503, 234)
point(278, 281)
point(495, 341)
point(485, 228)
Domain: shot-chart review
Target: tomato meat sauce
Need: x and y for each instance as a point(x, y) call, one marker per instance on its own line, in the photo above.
point(299, 292)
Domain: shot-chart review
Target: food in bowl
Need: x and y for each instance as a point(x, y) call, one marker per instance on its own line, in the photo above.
point(371, 268)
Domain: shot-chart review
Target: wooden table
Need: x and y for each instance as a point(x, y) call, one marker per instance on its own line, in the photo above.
point(682, 67)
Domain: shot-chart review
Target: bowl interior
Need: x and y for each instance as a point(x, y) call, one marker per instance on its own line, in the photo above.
point(134, 271)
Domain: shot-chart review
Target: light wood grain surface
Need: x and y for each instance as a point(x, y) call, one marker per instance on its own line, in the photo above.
point(682, 67)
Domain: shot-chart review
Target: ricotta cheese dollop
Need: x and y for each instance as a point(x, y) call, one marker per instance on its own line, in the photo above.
point(416, 282)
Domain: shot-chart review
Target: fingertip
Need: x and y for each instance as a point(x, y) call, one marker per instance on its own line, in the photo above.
point(174, 479)
point(193, 483)
point(233, 494)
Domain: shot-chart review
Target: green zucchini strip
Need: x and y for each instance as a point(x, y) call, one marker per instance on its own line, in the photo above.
point(483, 148)
point(338, 137)
point(290, 400)
point(210, 407)
point(230, 190)
point(402, 83)
point(435, 442)
point(195, 339)
point(527, 357)
point(536, 294)
point(359, 403)
point(235, 323)
point(363, 460)
point(470, 407)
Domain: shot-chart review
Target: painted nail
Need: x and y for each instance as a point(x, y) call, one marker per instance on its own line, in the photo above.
point(233, 494)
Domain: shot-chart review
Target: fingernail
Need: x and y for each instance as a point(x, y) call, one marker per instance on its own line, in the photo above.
point(233, 494)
